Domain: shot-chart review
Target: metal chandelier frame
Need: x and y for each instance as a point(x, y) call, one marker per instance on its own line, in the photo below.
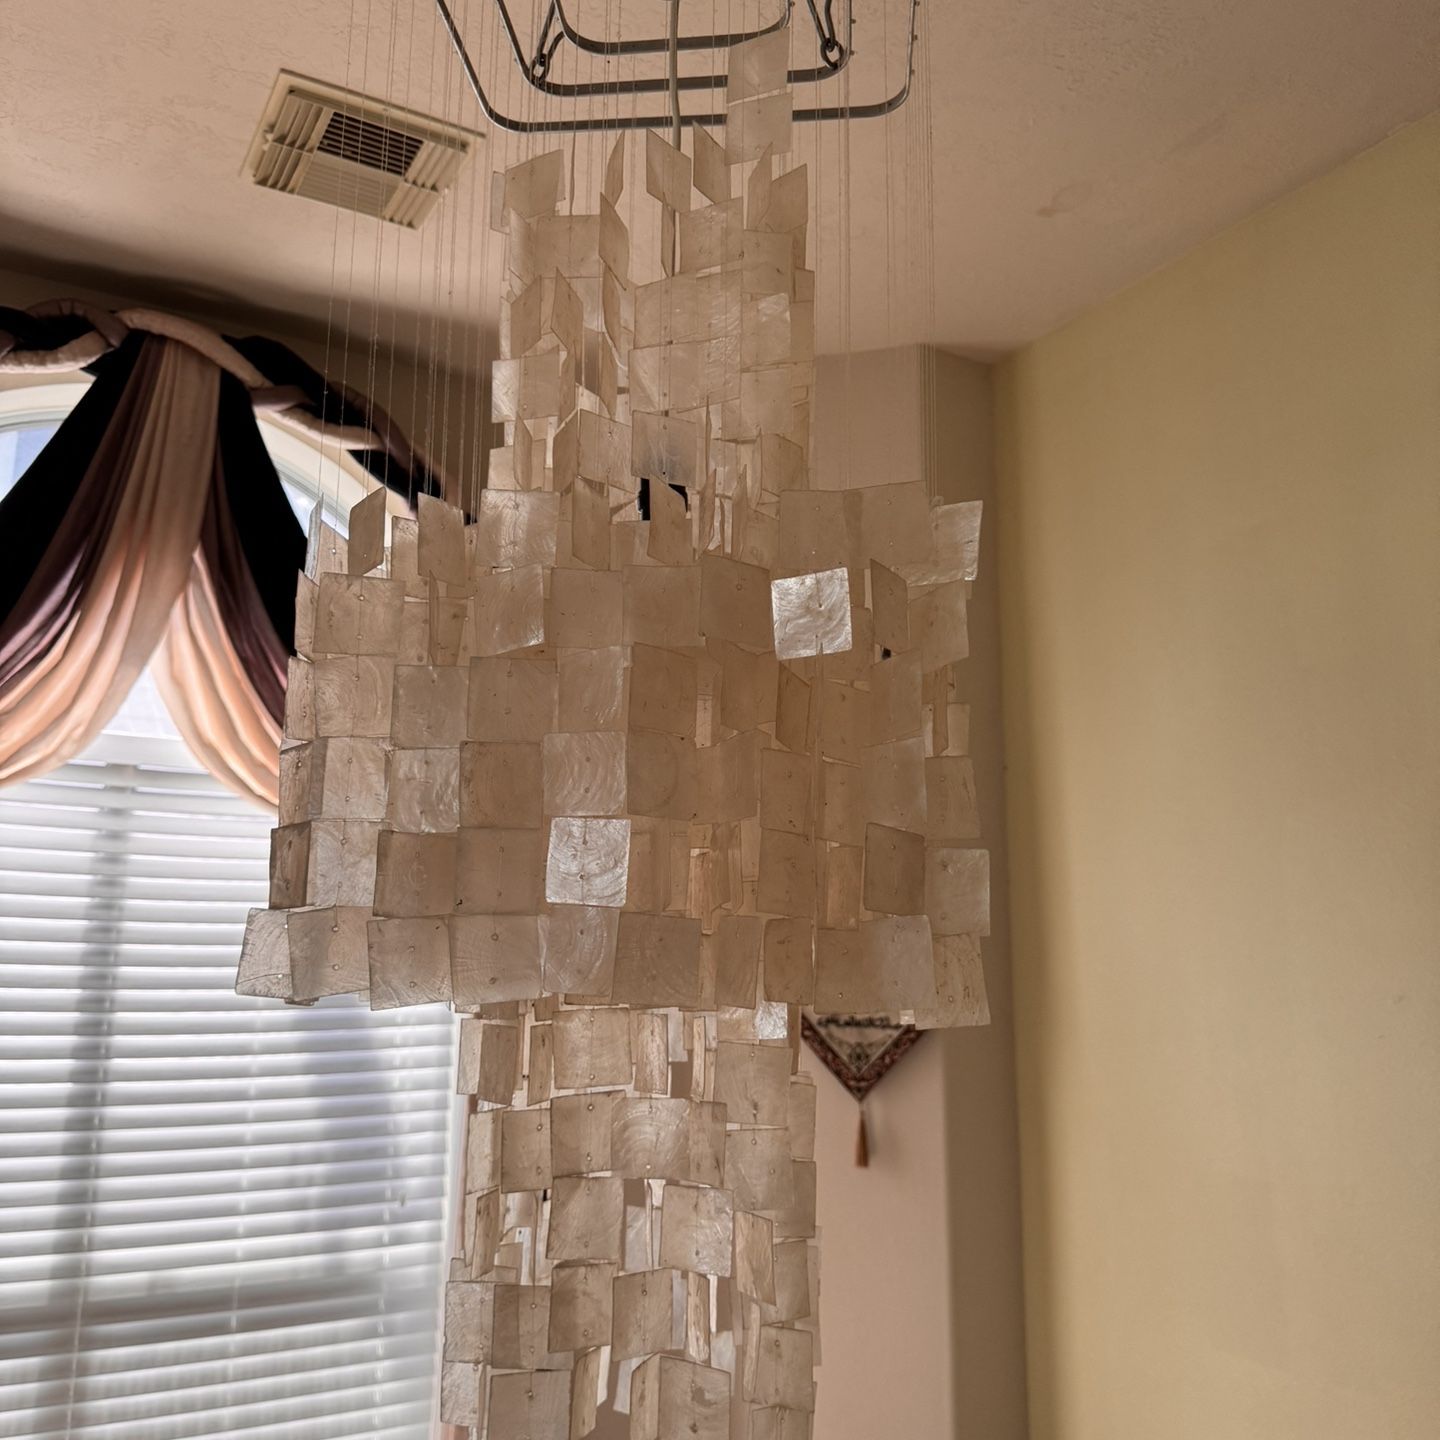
point(556, 28)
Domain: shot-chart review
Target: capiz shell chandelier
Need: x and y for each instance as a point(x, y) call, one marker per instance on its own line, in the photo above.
point(647, 749)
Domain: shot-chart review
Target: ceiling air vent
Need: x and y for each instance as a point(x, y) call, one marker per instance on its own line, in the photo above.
point(353, 151)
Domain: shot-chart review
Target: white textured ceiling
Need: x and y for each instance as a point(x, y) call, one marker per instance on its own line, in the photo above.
point(1075, 144)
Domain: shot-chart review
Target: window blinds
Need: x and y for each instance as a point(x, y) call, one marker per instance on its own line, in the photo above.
point(218, 1216)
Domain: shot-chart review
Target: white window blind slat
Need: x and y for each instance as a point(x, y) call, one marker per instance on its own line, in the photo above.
point(332, 1342)
point(194, 1210)
point(170, 1227)
point(111, 836)
point(405, 1153)
point(350, 1413)
point(264, 1281)
point(220, 1217)
point(312, 1320)
point(217, 876)
point(109, 1264)
point(56, 907)
point(137, 1403)
point(191, 1190)
point(298, 1394)
point(141, 1057)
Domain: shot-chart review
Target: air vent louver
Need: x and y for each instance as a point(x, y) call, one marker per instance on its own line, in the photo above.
point(355, 152)
point(353, 137)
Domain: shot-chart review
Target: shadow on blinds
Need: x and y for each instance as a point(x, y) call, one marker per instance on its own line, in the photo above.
point(221, 1216)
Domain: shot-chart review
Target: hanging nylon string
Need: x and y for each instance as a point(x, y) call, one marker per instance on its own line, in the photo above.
point(673, 58)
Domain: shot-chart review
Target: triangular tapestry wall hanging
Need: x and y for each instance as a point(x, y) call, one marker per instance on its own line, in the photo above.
point(859, 1051)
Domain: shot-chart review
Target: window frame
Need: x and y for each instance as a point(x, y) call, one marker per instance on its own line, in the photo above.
point(324, 472)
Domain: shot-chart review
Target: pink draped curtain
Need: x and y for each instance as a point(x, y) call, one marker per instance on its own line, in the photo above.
point(153, 530)
point(86, 645)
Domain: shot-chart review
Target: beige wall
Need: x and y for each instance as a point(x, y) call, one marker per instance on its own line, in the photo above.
point(884, 1311)
point(1221, 620)
point(921, 1306)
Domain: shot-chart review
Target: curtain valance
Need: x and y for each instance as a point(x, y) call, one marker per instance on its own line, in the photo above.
point(153, 529)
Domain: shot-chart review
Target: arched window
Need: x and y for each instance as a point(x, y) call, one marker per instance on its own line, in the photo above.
point(221, 1216)
point(31, 414)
